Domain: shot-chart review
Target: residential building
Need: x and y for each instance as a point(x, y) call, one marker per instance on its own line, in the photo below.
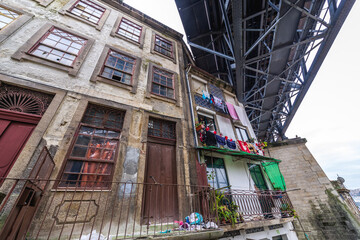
point(92, 103)
point(231, 160)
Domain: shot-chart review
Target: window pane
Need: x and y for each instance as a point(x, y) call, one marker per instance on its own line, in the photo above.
point(58, 46)
point(88, 10)
point(6, 17)
point(119, 67)
point(163, 46)
point(163, 82)
point(129, 30)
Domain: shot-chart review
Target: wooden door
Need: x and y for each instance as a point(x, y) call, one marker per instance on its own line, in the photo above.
point(161, 198)
point(13, 136)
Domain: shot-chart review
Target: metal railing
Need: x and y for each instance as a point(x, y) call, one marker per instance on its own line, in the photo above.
point(128, 210)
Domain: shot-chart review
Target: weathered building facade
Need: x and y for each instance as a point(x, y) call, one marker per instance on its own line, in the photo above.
point(108, 130)
point(100, 85)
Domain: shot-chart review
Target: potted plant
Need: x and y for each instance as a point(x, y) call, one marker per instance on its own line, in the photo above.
point(226, 209)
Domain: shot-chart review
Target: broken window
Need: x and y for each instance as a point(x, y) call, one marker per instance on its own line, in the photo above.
point(119, 67)
point(91, 158)
point(88, 10)
point(59, 46)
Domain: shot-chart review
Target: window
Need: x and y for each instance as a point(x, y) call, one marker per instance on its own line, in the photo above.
point(161, 129)
point(87, 11)
point(207, 121)
point(6, 17)
point(56, 47)
point(257, 176)
point(91, 159)
point(119, 67)
point(59, 46)
point(242, 134)
point(11, 19)
point(163, 46)
point(215, 168)
point(129, 30)
point(162, 83)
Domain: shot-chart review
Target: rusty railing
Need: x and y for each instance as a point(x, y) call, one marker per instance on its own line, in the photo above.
point(126, 210)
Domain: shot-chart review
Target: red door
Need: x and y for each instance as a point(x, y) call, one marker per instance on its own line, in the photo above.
point(15, 129)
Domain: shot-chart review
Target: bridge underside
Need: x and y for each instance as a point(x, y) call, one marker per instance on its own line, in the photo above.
point(269, 50)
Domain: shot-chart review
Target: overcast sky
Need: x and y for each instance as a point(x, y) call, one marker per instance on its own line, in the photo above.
point(329, 115)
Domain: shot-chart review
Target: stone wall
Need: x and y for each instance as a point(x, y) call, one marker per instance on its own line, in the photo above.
point(322, 214)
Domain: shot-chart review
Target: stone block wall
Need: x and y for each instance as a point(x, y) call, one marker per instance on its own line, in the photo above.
point(321, 212)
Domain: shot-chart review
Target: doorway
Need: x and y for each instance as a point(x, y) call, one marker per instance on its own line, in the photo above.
point(160, 188)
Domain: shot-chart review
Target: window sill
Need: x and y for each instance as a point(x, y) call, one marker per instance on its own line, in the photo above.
point(164, 56)
point(166, 99)
point(114, 83)
point(116, 35)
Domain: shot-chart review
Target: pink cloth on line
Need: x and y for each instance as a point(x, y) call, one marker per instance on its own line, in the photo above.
point(232, 111)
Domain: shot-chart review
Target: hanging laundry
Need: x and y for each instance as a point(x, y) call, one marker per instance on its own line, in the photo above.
point(231, 144)
point(210, 139)
point(232, 111)
point(243, 146)
point(211, 99)
point(202, 136)
point(252, 148)
point(217, 102)
point(205, 95)
point(220, 140)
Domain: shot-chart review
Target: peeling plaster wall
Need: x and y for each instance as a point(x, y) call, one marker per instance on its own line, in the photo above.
point(58, 129)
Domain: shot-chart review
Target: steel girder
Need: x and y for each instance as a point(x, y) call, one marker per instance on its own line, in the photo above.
point(270, 51)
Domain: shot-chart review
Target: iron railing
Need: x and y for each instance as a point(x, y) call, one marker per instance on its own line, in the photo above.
point(130, 210)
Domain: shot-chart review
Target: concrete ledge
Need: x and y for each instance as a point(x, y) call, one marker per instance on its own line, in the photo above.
point(287, 142)
point(202, 235)
point(255, 224)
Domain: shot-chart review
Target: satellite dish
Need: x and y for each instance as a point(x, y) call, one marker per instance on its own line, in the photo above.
point(341, 180)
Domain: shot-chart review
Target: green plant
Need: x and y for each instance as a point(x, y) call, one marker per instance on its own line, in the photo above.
point(287, 210)
point(226, 209)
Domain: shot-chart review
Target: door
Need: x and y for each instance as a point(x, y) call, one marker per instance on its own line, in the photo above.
point(21, 215)
point(161, 193)
point(13, 136)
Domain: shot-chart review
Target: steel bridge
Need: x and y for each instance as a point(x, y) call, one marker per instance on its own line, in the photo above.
point(269, 50)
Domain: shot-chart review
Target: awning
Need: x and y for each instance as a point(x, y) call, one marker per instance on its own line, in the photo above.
point(238, 153)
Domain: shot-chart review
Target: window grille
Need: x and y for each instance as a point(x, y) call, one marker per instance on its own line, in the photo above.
point(59, 46)
point(161, 129)
point(92, 157)
point(129, 30)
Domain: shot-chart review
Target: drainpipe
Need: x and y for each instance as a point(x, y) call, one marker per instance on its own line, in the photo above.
point(192, 110)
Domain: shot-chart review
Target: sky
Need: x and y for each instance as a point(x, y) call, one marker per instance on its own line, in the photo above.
point(330, 112)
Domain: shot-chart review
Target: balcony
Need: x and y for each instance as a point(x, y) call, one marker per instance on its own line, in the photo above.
point(133, 210)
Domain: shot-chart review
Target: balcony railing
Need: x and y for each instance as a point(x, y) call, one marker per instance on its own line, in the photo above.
point(128, 210)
